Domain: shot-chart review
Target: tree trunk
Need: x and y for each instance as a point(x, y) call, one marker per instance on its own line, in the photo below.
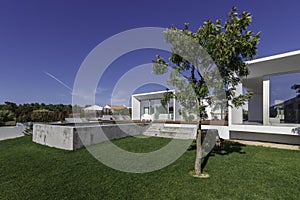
point(198, 169)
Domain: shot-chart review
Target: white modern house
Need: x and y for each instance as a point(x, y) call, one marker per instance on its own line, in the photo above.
point(273, 111)
point(93, 108)
point(147, 106)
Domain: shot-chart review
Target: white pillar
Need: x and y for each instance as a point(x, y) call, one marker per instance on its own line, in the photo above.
point(174, 109)
point(236, 114)
point(136, 108)
point(266, 100)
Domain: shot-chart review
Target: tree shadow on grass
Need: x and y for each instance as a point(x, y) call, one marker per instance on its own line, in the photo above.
point(224, 148)
point(228, 147)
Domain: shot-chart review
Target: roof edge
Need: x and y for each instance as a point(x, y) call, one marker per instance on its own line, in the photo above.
point(149, 93)
point(273, 57)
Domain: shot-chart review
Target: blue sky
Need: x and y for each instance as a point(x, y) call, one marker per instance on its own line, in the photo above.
point(54, 37)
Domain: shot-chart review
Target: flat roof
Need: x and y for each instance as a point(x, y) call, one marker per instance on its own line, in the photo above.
point(151, 95)
point(276, 64)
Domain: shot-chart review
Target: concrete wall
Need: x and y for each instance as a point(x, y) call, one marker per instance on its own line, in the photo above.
point(9, 132)
point(71, 137)
point(53, 135)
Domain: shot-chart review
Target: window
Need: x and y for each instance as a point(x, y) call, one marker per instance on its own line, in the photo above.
point(145, 107)
point(285, 98)
point(157, 110)
point(146, 110)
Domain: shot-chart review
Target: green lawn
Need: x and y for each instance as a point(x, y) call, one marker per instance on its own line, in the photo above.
point(32, 171)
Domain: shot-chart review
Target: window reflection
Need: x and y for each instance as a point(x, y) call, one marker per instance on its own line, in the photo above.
point(285, 98)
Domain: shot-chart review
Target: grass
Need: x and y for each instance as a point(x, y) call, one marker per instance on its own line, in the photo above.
point(32, 171)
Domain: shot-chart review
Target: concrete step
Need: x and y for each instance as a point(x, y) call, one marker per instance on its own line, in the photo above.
point(171, 131)
point(151, 132)
point(177, 129)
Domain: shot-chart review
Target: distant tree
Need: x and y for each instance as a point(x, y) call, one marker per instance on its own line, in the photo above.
point(296, 87)
point(6, 115)
point(228, 44)
point(30, 112)
point(10, 106)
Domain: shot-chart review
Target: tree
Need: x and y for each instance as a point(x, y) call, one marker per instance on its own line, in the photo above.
point(207, 66)
point(10, 106)
point(6, 115)
point(296, 87)
point(30, 112)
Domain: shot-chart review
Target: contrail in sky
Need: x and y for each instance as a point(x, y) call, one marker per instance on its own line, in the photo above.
point(62, 83)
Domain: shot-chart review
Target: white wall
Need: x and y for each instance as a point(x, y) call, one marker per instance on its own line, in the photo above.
point(136, 109)
point(177, 116)
point(222, 130)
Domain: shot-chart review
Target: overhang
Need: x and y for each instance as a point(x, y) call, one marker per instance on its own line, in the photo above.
point(277, 64)
point(150, 95)
point(271, 65)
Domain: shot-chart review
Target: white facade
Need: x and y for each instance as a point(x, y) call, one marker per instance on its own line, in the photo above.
point(147, 106)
